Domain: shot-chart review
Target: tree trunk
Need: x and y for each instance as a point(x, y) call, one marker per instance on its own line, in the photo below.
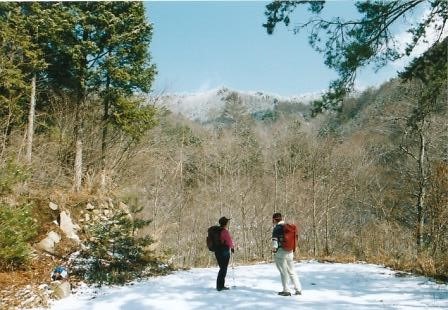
point(421, 191)
point(275, 187)
point(220, 171)
point(77, 182)
point(106, 107)
point(244, 227)
point(155, 208)
point(327, 211)
point(30, 131)
point(78, 160)
point(181, 197)
point(104, 144)
point(314, 212)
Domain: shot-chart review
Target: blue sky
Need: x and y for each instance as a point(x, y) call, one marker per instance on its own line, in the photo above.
point(201, 45)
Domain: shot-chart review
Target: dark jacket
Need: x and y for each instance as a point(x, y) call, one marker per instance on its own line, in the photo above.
point(277, 235)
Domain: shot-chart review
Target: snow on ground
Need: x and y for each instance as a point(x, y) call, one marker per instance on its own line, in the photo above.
point(325, 286)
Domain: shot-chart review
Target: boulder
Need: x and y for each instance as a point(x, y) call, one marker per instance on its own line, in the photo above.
point(48, 243)
point(53, 206)
point(68, 227)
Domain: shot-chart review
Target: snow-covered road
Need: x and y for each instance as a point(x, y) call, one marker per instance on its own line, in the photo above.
point(325, 286)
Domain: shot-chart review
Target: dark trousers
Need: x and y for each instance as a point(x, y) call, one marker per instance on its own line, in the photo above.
point(223, 258)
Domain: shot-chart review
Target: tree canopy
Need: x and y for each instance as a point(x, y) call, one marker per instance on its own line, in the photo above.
point(91, 55)
point(351, 44)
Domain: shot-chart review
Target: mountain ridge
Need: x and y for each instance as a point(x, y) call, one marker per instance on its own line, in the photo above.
point(209, 105)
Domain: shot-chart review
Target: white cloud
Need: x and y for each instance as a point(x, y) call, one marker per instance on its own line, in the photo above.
point(432, 35)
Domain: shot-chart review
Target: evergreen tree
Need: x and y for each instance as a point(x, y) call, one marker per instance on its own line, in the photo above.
point(20, 56)
point(349, 45)
point(102, 48)
point(114, 252)
point(16, 230)
point(124, 68)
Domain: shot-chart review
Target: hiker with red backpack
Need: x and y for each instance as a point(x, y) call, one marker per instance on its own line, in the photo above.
point(220, 242)
point(284, 242)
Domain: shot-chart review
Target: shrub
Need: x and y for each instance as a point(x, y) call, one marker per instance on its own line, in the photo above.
point(114, 253)
point(11, 174)
point(17, 227)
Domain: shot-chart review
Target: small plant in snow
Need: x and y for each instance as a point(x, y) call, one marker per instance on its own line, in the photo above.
point(17, 228)
point(114, 252)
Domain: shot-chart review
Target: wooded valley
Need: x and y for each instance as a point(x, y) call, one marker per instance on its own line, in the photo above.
point(79, 125)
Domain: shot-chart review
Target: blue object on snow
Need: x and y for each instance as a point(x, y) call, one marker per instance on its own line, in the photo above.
point(59, 273)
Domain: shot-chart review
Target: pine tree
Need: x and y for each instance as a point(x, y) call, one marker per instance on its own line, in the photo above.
point(20, 56)
point(352, 44)
point(16, 230)
point(102, 48)
point(115, 253)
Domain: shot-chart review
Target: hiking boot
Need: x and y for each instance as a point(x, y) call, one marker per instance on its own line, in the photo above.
point(297, 292)
point(284, 293)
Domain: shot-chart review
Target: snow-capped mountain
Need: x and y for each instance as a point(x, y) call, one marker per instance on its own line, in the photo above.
point(209, 105)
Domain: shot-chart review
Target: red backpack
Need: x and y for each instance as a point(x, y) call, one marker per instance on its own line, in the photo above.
point(290, 236)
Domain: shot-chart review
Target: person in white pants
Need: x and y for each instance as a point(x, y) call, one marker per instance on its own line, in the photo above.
point(284, 260)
